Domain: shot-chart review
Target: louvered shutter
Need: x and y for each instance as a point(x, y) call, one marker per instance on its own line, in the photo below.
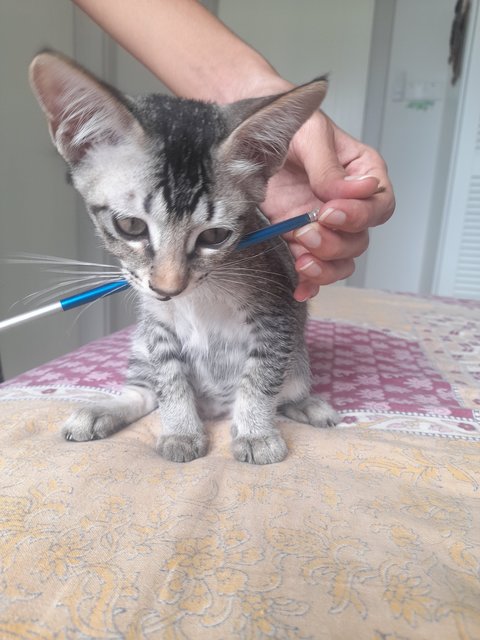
point(458, 259)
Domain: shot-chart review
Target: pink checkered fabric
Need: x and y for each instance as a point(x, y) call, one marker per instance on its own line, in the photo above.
point(359, 370)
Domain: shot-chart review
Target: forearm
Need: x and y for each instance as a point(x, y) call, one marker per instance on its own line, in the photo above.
point(184, 45)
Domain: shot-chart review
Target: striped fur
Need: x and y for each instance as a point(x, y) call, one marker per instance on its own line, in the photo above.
point(171, 186)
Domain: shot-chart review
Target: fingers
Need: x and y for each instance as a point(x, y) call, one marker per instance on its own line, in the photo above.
point(305, 290)
point(322, 273)
point(357, 215)
point(325, 244)
point(323, 256)
point(330, 272)
point(362, 209)
point(324, 251)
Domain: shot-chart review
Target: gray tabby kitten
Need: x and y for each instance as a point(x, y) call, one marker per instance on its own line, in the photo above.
point(171, 186)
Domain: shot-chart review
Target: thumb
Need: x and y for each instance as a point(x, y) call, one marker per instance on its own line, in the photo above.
point(327, 176)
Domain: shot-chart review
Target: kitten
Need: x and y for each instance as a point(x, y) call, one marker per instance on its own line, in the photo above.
point(171, 186)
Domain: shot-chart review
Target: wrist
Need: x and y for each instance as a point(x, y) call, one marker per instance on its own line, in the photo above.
point(263, 80)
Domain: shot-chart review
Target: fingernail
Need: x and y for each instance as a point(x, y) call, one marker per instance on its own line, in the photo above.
point(358, 178)
point(333, 216)
point(309, 237)
point(312, 269)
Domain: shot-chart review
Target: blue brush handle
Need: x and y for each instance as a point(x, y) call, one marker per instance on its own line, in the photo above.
point(275, 230)
point(93, 294)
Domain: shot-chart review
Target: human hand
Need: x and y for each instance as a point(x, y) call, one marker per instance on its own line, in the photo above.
point(347, 180)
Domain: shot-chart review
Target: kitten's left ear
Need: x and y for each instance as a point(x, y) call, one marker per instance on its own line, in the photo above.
point(257, 148)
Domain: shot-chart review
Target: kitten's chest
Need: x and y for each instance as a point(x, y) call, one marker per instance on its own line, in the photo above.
point(207, 330)
point(215, 341)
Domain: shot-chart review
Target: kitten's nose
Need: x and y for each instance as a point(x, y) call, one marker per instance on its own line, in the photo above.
point(166, 295)
point(169, 274)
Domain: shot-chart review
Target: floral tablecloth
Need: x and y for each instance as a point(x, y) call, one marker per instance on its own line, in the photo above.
point(367, 531)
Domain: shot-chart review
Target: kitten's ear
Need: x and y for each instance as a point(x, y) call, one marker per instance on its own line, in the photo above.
point(257, 148)
point(80, 110)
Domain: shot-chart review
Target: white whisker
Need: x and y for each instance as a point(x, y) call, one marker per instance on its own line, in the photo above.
point(109, 274)
point(84, 308)
point(252, 273)
point(249, 285)
point(256, 255)
point(37, 258)
point(61, 289)
point(129, 299)
point(251, 270)
point(248, 280)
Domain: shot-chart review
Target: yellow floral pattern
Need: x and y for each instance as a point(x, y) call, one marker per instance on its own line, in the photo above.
point(361, 534)
point(373, 535)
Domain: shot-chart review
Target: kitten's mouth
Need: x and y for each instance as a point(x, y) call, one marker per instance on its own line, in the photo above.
point(156, 296)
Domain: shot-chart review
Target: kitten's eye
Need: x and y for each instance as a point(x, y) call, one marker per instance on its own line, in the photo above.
point(213, 238)
point(131, 227)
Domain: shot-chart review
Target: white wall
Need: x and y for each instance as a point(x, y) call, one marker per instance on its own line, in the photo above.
point(37, 207)
point(307, 39)
point(400, 252)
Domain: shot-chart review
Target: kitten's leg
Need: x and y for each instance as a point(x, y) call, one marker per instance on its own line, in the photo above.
point(183, 436)
point(155, 378)
point(103, 419)
point(296, 402)
point(157, 362)
point(255, 436)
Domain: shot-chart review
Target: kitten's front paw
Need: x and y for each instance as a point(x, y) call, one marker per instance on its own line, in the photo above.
point(182, 448)
point(260, 450)
point(89, 424)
